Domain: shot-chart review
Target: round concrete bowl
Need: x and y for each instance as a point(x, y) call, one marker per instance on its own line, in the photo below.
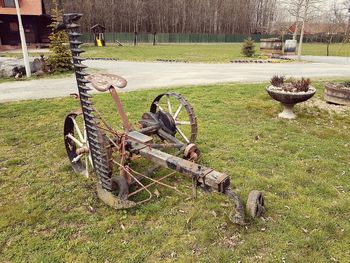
point(337, 94)
point(289, 99)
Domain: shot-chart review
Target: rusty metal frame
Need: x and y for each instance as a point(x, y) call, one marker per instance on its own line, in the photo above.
point(131, 143)
point(120, 109)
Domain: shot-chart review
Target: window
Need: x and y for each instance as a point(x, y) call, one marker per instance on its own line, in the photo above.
point(9, 3)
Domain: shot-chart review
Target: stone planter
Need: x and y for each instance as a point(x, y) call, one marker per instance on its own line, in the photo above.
point(289, 99)
point(337, 94)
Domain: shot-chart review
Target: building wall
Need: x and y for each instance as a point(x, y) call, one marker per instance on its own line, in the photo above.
point(28, 7)
point(35, 28)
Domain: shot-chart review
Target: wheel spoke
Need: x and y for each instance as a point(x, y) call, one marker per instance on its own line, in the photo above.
point(87, 167)
point(177, 112)
point(70, 136)
point(170, 110)
point(182, 123)
point(76, 159)
point(87, 144)
point(159, 107)
point(183, 135)
point(85, 135)
point(90, 159)
point(78, 130)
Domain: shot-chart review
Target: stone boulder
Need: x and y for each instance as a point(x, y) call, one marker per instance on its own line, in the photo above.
point(11, 67)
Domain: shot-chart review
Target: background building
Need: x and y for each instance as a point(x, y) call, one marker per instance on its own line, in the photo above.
point(35, 23)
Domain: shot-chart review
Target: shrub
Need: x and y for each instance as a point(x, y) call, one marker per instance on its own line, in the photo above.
point(60, 58)
point(248, 48)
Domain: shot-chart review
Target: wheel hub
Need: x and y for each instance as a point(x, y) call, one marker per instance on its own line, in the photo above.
point(82, 150)
point(167, 122)
point(192, 152)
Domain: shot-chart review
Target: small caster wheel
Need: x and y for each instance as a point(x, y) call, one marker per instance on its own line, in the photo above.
point(255, 204)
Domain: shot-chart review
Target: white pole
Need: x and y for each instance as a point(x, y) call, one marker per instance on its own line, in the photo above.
point(301, 40)
point(23, 41)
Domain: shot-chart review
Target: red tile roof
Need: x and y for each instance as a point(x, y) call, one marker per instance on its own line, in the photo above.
point(27, 7)
point(319, 28)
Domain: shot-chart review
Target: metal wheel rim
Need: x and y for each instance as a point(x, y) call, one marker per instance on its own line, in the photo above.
point(175, 112)
point(75, 138)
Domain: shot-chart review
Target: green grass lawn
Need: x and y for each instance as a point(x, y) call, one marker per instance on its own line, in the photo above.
point(213, 53)
point(221, 53)
point(216, 53)
point(49, 214)
point(317, 49)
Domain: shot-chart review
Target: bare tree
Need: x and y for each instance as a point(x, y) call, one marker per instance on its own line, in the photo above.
point(309, 7)
point(335, 22)
point(295, 10)
point(346, 9)
point(175, 16)
point(262, 15)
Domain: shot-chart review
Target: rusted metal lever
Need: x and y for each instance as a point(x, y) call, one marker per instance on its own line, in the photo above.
point(238, 216)
point(111, 200)
point(120, 109)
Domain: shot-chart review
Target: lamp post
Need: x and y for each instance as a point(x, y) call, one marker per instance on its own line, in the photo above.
point(23, 41)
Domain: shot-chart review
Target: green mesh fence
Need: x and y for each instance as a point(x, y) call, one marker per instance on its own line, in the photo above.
point(173, 38)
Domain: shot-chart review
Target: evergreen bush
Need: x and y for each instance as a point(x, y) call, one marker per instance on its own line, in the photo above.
point(60, 58)
point(248, 49)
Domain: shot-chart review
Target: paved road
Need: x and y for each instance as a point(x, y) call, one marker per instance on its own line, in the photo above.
point(155, 75)
point(325, 59)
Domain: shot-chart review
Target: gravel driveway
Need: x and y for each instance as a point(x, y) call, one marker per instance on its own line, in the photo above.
point(156, 75)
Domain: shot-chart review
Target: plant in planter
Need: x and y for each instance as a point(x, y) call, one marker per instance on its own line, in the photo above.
point(338, 93)
point(289, 93)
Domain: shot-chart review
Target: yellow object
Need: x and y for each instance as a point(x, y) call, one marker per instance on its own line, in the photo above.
point(99, 42)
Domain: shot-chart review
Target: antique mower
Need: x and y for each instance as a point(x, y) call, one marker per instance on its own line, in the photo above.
point(166, 138)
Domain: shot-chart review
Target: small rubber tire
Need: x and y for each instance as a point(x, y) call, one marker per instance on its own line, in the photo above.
point(255, 204)
point(121, 186)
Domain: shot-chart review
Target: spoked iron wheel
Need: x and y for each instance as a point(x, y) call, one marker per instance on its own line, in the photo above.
point(76, 143)
point(177, 115)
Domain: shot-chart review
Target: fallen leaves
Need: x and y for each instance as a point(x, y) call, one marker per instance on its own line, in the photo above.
point(156, 193)
point(91, 209)
point(232, 241)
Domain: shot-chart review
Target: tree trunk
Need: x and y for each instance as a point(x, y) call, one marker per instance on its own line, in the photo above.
point(295, 34)
point(303, 30)
point(329, 42)
point(216, 21)
point(301, 40)
point(297, 17)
